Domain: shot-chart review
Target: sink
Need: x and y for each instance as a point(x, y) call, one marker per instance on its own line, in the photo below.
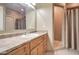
point(30, 35)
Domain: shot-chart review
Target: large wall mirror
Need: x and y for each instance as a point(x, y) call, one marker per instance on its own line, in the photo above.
point(16, 17)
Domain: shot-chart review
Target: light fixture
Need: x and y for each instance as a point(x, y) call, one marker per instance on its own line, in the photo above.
point(30, 5)
point(34, 4)
point(22, 9)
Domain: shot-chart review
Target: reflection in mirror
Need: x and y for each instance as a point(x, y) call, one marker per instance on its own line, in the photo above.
point(16, 17)
point(1, 19)
point(14, 20)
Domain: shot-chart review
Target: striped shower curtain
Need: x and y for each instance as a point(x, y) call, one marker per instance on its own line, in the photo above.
point(72, 28)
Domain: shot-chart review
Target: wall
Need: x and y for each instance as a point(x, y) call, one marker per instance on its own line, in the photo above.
point(1, 18)
point(58, 19)
point(30, 20)
point(45, 20)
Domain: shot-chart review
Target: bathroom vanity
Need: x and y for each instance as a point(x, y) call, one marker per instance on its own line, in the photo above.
point(29, 44)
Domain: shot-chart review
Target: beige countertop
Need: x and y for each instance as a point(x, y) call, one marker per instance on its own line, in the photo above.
point(12, 42)
point(12, 32)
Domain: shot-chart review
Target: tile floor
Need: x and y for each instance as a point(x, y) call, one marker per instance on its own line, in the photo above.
point(63, 52)
point(57, 44)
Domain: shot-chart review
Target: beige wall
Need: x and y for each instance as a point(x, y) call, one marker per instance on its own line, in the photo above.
point(45, 20)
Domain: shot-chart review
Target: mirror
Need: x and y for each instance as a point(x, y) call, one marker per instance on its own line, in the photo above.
point(1, 19)
point(14, 20)
point(15, 17)
point(31, 20)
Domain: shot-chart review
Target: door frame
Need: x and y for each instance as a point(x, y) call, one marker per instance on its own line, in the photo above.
point(63, 40)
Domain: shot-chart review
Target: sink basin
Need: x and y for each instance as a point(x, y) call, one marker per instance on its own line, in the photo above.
point(30, 35)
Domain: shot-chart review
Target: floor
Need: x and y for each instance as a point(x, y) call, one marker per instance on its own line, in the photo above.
point(57, 44)
point(58, 50)
point(63, 52)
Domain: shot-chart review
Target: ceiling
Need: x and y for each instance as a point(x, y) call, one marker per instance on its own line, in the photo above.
point(18, 7)
point(67, 5)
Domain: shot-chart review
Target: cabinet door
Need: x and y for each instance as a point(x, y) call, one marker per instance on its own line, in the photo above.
point(18, 51)
point(35, 42)
point(45, 46)
point(45, 37)
point(27, 49)
point(34, 51)
point(40, 49)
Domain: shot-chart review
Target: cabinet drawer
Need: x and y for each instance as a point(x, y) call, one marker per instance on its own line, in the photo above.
point(18, 51)
point(35, 42)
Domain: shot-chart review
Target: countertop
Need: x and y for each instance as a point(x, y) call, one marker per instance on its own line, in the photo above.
point(12, 32)
point(7, 44)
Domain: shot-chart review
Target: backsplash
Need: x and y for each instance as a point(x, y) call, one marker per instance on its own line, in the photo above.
point(12, 34)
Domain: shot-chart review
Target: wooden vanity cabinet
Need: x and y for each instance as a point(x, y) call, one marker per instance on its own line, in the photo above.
point(23, 50)
point(37, 46)
point(40, 46)
point(40, 49)
point(34, 51)
point(18, 51)
point(27, 49)
point(45, 43)
point(35, 42)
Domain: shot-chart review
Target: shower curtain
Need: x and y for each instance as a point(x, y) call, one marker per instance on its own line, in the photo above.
point(72, 28)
